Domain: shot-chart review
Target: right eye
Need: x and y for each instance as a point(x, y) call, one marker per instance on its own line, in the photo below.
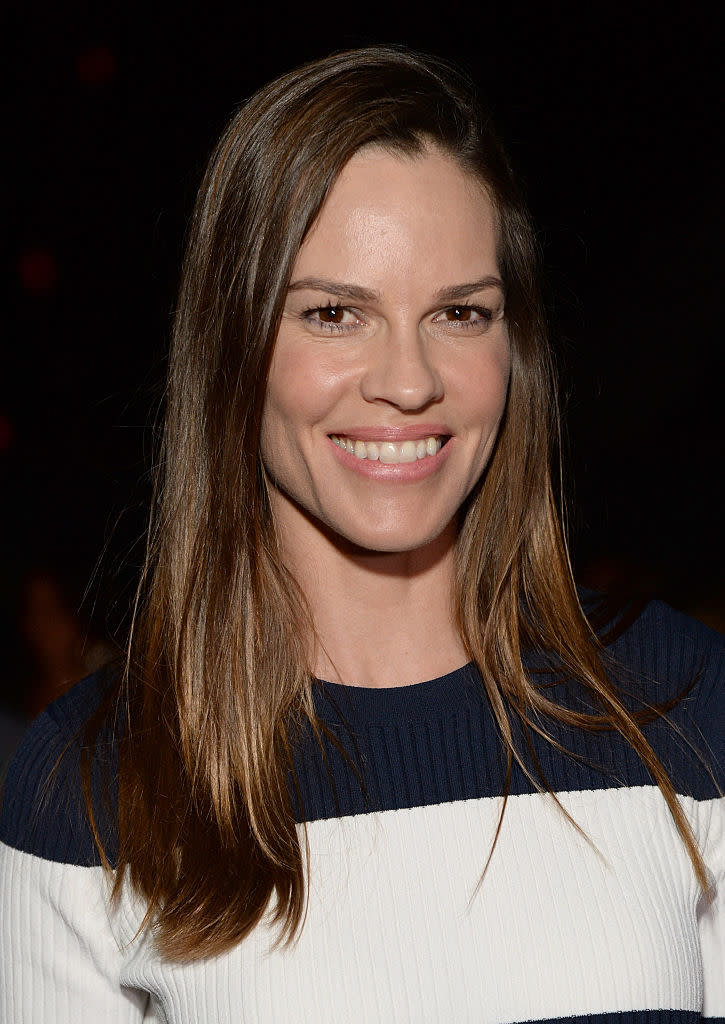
point(331, 317)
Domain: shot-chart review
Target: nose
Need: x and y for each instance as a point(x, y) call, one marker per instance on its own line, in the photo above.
point(400, 371)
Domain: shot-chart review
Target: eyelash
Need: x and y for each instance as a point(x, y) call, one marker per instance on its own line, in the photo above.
point(308, 315)
point(332, 327)
point(485, 314)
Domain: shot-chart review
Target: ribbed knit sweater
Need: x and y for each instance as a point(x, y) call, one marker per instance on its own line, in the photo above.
point(601, 927)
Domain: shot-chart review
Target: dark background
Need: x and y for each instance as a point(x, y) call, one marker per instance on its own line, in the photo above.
point(611, 118)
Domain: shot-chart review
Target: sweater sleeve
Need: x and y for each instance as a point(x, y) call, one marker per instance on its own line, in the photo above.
point(709, 711)
point(59, 958)
point(672, 654)
point(711, 914)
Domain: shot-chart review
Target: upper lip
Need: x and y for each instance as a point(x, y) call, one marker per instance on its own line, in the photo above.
point(411, 432)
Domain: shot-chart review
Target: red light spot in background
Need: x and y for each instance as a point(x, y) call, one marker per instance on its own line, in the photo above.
point(96, 66)
point(38, 270)
point(6, 433)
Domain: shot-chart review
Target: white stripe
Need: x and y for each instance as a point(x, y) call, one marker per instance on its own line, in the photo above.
point(59, 961)
point(556, 929)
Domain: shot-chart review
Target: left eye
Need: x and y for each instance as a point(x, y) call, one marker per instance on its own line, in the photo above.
point(464, 315)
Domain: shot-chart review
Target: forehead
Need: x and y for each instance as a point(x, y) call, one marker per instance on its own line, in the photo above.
point(421, 216)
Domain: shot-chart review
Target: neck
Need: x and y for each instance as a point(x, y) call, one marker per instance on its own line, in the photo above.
point(380, 619)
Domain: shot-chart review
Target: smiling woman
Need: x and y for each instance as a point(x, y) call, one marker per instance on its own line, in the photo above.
point(380, 417)
point(372, 756)
point(412, 391)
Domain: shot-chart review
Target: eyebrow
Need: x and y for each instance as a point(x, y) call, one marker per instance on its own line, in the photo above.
point(461, 291)
point(345, 291)
point(357, 293)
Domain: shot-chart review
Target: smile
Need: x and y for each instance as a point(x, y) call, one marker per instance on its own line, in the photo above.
point(390, 452)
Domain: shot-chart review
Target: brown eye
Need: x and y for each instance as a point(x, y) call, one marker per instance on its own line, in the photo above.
point(332, 319)
point(459, 313)
point(332, 314)
point(468, 316)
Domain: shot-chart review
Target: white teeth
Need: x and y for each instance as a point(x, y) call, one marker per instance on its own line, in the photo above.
point(407, 451)
point(391, 452)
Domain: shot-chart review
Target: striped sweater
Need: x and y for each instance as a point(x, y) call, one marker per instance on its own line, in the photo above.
point(604, 926)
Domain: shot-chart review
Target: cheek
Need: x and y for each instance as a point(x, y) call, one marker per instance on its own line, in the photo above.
point(500, 388)
point(483, 387)
point(301, 390)
point(289, 391)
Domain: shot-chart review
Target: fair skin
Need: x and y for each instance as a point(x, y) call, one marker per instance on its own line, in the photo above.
point(393, 343)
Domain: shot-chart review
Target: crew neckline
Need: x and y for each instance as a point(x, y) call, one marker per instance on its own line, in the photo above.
point(431, 698)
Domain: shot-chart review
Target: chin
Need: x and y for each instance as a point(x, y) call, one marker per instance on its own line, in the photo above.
point(392, 540)
point(393, 545)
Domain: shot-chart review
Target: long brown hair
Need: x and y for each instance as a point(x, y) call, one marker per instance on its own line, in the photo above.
point(217, 678)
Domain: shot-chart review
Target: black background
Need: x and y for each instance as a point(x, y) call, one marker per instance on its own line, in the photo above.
point(611, 117)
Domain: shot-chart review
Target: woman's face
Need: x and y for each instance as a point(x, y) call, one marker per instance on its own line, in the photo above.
point(390, 370)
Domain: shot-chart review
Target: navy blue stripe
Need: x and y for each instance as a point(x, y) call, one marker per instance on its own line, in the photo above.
point(436, 742)
point(43, 810)
point(410, 746)
point(637, 1017)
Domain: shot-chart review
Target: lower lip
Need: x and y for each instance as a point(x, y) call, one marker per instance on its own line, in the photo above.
point(396, 472)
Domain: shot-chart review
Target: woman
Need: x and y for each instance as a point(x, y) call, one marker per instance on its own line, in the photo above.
point(485, 811)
